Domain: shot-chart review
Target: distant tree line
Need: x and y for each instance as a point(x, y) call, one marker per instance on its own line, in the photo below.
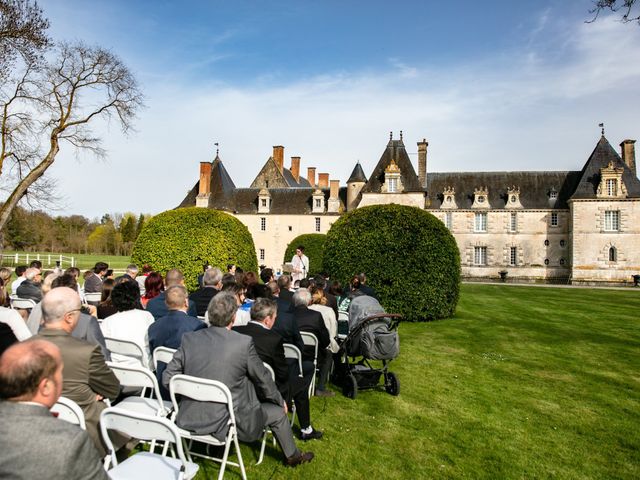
point(37, 231)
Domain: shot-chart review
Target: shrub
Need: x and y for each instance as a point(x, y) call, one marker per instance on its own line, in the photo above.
point(408, 255)
point(313, 248)
point(187, 238)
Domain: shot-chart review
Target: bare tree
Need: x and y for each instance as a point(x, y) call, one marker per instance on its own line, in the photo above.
point(57, 104)
point(624, 6)
point(22, 32)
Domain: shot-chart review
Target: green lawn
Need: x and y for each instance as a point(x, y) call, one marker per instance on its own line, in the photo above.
point(523, 382)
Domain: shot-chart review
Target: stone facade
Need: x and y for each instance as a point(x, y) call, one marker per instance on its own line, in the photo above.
point(576, 226)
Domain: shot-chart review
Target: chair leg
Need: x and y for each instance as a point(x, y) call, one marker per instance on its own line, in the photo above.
point(239, 454)
point(263, 446)
point(223, 464)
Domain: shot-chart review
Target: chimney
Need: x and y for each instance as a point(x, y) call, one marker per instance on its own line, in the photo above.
point(422, 162)
point(311, 176)
point(629, 154)
point(333, 205)
point(278, 156)
point(334, 186)
point(205, 178)
point(295, 168)
point(323, 180)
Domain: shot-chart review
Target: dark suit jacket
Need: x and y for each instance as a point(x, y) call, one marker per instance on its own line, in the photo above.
point(93, 284)
point(30, 289)
point(231, 358)
point(85, 374)
point(286, 295)
point(88, 329)
point(286, 326)
point(159, 309)
point(168, 330)
point(311, 321)
point(34, 444)
point(202, 297)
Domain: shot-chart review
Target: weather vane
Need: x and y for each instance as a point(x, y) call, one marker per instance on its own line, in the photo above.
point(217, 149)
point(601, 125)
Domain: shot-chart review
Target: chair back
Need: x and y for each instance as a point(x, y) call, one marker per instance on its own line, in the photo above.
point(291, 351)
point(142, 427)
point(124, 347)
point(93, 297)
point(21, 303)
point(162, 354)
point(202, 390)
point(69, 411)
point(309, 338)
point(271, 372)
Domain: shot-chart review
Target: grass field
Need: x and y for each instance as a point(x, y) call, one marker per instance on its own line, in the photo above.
point(523, 382)
point(83, 261)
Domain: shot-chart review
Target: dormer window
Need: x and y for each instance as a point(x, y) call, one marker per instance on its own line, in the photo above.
point(264, 201)
point(513, 197)
point(553, 194)
point(392, 181)
point(449, 196)
point(318, 201)
point(611, 184)
point(481, 198)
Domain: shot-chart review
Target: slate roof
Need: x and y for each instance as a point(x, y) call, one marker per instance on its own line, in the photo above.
point(590, 174)
point(534, 187)
point(357, 175)
point(395, 150)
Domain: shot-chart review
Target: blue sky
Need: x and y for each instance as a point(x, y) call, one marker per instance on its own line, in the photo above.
point(494, 85)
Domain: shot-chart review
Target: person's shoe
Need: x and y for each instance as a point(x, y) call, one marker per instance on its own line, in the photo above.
point(301, 457)
point(325, 393)
point(314, 435)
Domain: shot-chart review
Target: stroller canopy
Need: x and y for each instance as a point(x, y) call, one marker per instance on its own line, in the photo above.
point(362, 307)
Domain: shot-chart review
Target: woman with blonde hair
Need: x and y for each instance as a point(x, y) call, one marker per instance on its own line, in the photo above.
point(319, 304)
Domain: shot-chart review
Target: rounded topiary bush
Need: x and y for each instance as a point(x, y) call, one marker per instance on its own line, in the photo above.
point(408, 255)
point(187, 238)
point(313, 248)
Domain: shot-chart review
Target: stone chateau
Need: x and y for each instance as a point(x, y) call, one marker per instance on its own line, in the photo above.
point(578, 226)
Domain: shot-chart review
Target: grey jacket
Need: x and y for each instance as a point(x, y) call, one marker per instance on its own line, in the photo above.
point(231, 358)
point(34, 444)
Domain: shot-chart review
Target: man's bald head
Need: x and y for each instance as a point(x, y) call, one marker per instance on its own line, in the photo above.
point(174, 277)
point(27, 368)
point(59, 304)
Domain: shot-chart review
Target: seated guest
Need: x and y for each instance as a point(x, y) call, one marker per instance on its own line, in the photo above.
point(146, 270)
point(106, 307)
point(5, 276)
point(87, 378)
point(157, 306)
point(329, 299)
point(312, 322)
point(284, 283)
point(231, 268)
point(218, 353)
point(211, 284)
point(7, 337)
point(269, 346)
point(31, 286)
point(242, 316)
point(130, 275)
point(35, 444)
point(319, 304)
point(20, 272)
point(362, 287)
point(266, 275)
point(153, 286)
point(93, 281)
point(228, 279)
point(12, 318)
point(130, 323)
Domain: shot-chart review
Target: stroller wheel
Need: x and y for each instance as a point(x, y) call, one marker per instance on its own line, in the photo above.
point(350, 387)
point(392, 384)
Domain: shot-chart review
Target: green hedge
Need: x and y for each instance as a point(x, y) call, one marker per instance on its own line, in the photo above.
point(409, 256)
point(186, 238)
point(313, 248)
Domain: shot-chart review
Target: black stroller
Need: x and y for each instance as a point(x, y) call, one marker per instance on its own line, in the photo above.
point(372, 336)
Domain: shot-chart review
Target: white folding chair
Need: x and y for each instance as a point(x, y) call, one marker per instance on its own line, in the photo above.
point(18, 303)
point(144, 464)
point(125, 348)
point(69, 411)
point(310, 339)
point(291, 351)
point(93, 297)
point(162, 354)
point(205, 390)
point(140, 377)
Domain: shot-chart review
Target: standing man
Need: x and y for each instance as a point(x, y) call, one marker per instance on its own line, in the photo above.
point(300, 264)
point(35, 444)
point(93, 283)
point(218, 353)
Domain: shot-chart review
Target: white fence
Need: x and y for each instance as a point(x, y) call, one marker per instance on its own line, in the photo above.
point(47, 259)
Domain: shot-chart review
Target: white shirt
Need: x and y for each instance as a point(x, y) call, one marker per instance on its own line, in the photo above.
point(15, 321)
point(132, 325)
point(300, 267)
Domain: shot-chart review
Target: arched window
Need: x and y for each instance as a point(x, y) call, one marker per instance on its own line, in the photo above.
point(613, 254)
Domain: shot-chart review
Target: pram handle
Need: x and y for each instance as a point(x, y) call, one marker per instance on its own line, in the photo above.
point(395, 320)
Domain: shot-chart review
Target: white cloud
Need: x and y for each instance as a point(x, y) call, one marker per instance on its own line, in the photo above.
point(534, 108)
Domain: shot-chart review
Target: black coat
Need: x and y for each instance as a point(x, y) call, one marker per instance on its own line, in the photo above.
point(286, 326)
point(202, 297)
point(312, 322)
